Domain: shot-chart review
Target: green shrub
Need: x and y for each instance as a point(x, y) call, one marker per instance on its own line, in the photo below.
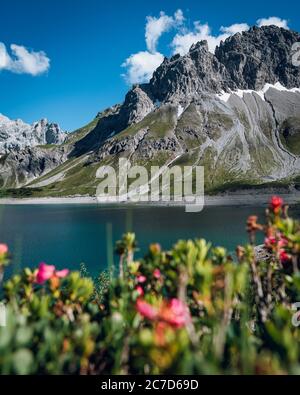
point(193, 309)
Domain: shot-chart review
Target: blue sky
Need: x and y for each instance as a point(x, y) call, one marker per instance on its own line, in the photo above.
point(85, 42)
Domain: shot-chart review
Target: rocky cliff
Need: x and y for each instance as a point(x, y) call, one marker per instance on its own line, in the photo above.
point(17, 135)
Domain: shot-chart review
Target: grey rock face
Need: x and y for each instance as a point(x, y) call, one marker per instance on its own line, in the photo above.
point(48, 133)
point(185, 76)
point(260, 56)
point(17, 135)
point(19, 168)
point(119, 145)
point(246, 60)
point(136, 106)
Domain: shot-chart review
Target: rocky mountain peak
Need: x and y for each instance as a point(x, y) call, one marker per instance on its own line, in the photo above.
point(189, 75)
point(3, 118)
point(41, 123)
point(259, 56)
point(16, 135)
point(137, 104)
point(247, 60)
point(200, 46)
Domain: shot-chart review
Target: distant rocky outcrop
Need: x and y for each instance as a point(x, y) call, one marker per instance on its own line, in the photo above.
point(19, 168)
point(16, 135)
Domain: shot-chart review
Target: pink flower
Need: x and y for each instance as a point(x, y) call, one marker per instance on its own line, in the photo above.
point(45, 272)
point(140, 290)
point(146, 310)
point(62, 273)
point(282, 243)
point(276, 204)
point(272, 242)
point(175, 313)
point(157, 274)
point(3, 249)
point(141, 279)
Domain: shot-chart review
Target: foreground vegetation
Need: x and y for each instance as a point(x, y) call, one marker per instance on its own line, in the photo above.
point(193, 309)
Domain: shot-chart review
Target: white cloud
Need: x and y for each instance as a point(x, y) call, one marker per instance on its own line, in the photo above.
point(235, 28)
point(179, 17)
point(29, 62)
point(273, 20)
point(4, 57)
point(23, 61)
point(155, 27)
point(183, 41)
point(140, 66)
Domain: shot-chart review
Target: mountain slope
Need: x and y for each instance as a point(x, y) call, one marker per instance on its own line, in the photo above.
point(236, 112)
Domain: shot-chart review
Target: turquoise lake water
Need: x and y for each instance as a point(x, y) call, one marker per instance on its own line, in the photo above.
point(66, 235)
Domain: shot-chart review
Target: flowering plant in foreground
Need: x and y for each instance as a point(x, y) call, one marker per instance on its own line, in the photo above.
point(4, 261)
point(192, 309)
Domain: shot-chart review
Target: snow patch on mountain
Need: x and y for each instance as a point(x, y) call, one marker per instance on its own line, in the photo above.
point(225, 96)
point(180, 111)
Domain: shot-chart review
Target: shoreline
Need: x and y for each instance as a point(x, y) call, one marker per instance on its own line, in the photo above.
point(235, 199)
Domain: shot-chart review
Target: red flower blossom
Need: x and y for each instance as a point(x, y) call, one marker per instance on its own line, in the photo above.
point(156, 274)
point(270, 242)
point(62, 273)
point(141, 279)
point(284, 257)
point(175, 312)
point(146, 310)
point(276, 204)
point(3, 249)
point(140, 290)
point(46, 272)
point(273, 242)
